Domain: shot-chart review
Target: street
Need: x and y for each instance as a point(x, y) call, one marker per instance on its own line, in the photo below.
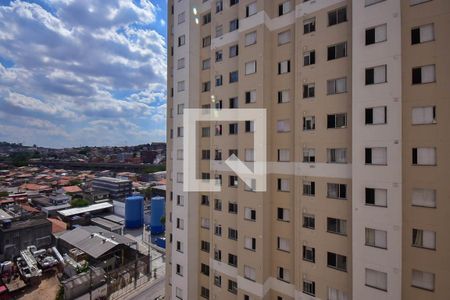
point(149, 292)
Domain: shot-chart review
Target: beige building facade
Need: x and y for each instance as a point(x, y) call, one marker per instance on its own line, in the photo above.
point(357, 95)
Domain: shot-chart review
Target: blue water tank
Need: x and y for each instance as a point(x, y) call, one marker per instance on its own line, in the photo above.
point(158, 210)
point(134, 211)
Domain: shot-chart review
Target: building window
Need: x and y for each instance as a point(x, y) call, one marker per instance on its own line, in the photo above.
point(283, 185)
point(249, 154)
point(284, 8)
point(337, 261)
point(283, 274)
point(234, 51)
point(250, 214)
point(309, 287)
point(423, 115)
point(376, 34)
point(179, 293)
point(424, 74)
point(232, 234)
point(337, 226)
point(284, 67)
point(337, 156)
point(309, 123)
point(335, 294)
point(424, 239)
point(424, 156)
point(284, 37)
point(181, 40)
point(232, 181)
point(180, 131)
point(250, 38)
point(219, 6)
point(179, 270)
point(423, 280)
point(232, 286)
point(234, 76)
point(250, 68)
point(422, 34)
point(337, 86)
point(424, 197)
point(309, 188)
point(232, 207)
point(180, 224)
point(233, 2)
point(218, 254)
point(309, 254)
point(249, 273)
point(309, 221)
point(249, 126)
point(308, 90)
point(309, 25)
point(207, 19)
point(283, 126)
point(204, 292)
point(217, 280)
point(337, 51)
point(283, 214)
point(337, 16)
point(206, 131)
point(283, 96)
point(282, 244)
point(309, 155)
point(251, 9)
point(283, 155)
point(250, 96)
point(376, 115)
point(219, 56)
point(376, 156)
point(337, 120)
point(218, 230)
point(234, 25)
point(219, 31)
point(206, 42)
point(181, 63)
point(234, 103)
point(206, 86)
point(376, 238)
point(376, 279)
point(376, 197)
point(219, 80)
point(206, 64)
point(309, 58)
point(376, 75)
point(232, 260)
point(250, 243)
point(205, 200)
point(337, 191)
point(204, 223)
point(204, 269)
point(180, 86)
point(205, 246)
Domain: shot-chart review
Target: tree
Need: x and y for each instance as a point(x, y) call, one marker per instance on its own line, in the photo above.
point(4, 194)
point(79, 202)
point(148, 192)
point(163, 220)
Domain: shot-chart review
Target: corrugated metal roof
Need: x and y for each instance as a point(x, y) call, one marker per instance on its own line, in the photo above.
point(80, 210)
point(94, 241)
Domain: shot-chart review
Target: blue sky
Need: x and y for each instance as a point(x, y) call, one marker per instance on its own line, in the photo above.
point(82, 72)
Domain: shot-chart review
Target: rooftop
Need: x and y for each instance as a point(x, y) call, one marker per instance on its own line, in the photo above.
point(112, 180)
point(93, 240)
point(80, 210)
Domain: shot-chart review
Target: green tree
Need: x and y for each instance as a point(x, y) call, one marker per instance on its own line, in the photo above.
point(79, 202)
point(4, 194)
point(163, 220)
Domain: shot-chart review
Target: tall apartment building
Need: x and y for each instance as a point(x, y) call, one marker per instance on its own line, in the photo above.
point(357, 95)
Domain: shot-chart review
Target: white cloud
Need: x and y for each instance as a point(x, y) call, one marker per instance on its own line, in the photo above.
point(70, 63)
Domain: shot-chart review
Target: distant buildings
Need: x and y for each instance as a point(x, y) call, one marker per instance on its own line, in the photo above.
point(118, 188)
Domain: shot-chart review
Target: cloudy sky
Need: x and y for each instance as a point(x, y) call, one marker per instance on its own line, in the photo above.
point(82, 72)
